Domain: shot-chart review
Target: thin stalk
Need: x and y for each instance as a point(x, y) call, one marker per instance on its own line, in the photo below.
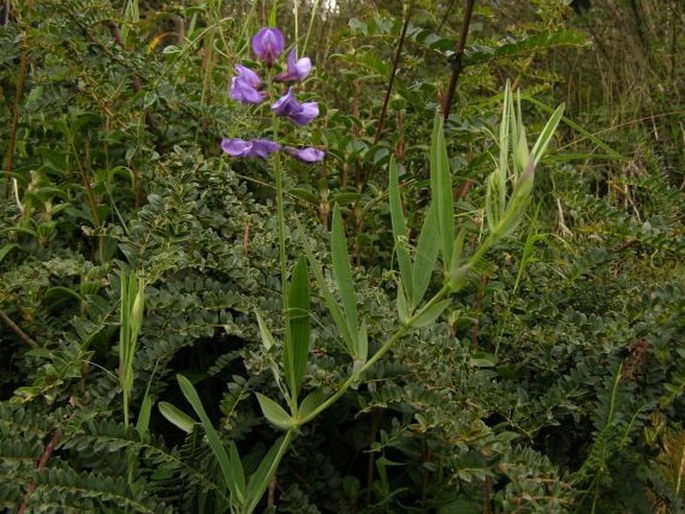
point(315, 8)
point(278, 176)
point(457, 65)
point(395, 64)
point(296, 16)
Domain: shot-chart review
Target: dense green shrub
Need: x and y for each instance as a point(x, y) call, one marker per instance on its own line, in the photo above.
point(552, 382)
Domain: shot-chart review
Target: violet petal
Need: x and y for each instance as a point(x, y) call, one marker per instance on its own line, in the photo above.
point(249, 76)
point(297, 69)
point(260, 148)
point(308, 155)
point(300, 114)
point(242, 91)
point(268, 44)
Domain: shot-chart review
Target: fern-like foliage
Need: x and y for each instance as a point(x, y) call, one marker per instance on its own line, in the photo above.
point(55, 464)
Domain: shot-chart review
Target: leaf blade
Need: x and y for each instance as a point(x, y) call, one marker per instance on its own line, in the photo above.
point(343, 273)
point(274, 413)
point(441, 186)
point(399, 230)
point(296, 351)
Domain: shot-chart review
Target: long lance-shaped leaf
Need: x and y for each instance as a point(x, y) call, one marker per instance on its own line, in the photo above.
point(504, 143)
point(441, 186)
point(399, 232)
point(296, 350)
point(331, 303)
point(343, 275)
point(493, 211)
point(231, 467)
point(546, 134)
point(610, 152)
point(426, 254)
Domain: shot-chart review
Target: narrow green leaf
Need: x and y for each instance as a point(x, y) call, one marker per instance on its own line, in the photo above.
point(333, 307)
point(177, 417)
point(441, 186)
point(276, 414)
point(399, 232)
point(296, 352)
point(143, 421)
point(610, 152)
point(492, 210)
point(547, 132)
point(504, 144)
point(343, 272)
point(231, 469)
point(267, 338)
point(427, 248)
point(428, 316)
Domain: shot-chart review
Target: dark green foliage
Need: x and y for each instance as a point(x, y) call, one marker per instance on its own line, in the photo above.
point(554, 380)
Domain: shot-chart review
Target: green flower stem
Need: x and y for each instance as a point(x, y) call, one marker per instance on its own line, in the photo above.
point(278, 176)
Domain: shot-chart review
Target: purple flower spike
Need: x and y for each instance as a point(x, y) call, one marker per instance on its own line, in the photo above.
point(308, 154)
point(245, 86)
point(268, 44)
point(300, 114)
point(298, 69)
point(260, 148)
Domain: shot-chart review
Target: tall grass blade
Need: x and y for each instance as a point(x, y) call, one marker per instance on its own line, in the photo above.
point(441, 186)
point(547, 133)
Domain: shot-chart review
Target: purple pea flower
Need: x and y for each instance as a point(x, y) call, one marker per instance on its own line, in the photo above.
point(300, 114)
point(268, 44)
point(298, 69)
point(260, 148)
point(308, 154)
point(245, 86)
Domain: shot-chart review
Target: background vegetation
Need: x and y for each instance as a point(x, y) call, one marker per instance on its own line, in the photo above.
point(133, 250)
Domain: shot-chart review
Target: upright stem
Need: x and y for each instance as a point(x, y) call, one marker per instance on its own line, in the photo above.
point(395, 64)
point(278, 176)
point(457, 65)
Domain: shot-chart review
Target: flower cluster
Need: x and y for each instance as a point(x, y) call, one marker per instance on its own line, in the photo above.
point(246, 87)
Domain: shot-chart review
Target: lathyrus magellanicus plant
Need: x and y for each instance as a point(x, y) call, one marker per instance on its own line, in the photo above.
point(440, 246)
